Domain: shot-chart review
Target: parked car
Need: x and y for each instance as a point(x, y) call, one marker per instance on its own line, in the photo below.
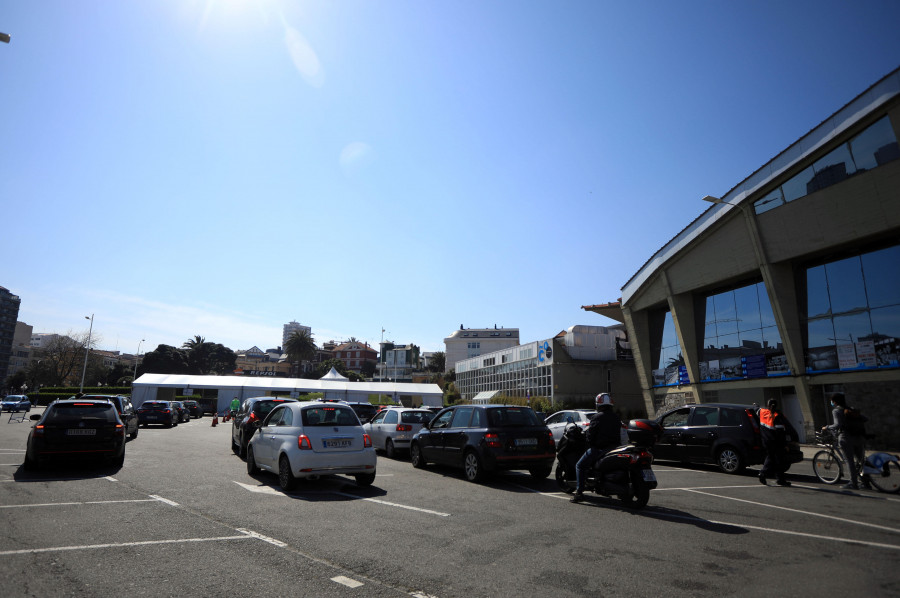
point(183, 414)
point(559, 420)
point(125, 409)
point(308, 440)
point(16, 403)
point(249, 418)
point(74, 430)
point(482, 439)
point(723, 434)
point(393, 428)
point(193, 408)
point(364, 411)
point(157, 412)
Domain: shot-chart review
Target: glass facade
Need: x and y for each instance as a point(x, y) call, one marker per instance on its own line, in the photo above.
point(668, 361)
point(873, 147)
point(740, 337)
point(852, 312)
point(519, 372)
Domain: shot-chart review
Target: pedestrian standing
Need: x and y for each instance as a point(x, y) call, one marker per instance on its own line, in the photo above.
point(849, 427)
point(776, 432)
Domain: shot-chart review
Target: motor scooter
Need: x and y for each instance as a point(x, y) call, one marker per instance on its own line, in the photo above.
point(624, 472)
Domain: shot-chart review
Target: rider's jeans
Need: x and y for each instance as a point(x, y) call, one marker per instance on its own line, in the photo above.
point(854, 449)
point(590, 456)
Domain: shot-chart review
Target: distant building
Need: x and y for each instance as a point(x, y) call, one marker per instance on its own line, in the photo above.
point(355, 354)
point(256, 362)
point(570, 369)
point(292, 327)
point(9, 313)
point(20, 357)
point(42, 340)
point(397, 362)
point(466, 343)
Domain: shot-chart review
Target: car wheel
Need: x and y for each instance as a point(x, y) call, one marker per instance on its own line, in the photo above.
point(29, 464)
point(365, 479)
point(252, 469)
point(541, 473)
point(416, 457)
point(118, 462)
point(286, 478)
point(242, 445)
point(472, 466)
point(134, 434)
point(729, 460)
point(389, 451)
point(235, 447)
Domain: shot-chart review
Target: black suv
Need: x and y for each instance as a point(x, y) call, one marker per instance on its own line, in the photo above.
point(74, 429)
point(484, 438)
point(193, 408)
point(126, 411)
point(249, 418)
point(724, 434)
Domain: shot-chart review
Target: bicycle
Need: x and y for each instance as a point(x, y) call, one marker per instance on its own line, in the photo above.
point(881, 470)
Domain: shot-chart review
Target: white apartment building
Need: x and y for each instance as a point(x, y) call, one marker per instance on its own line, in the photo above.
point(292, 327)
point(466, 343)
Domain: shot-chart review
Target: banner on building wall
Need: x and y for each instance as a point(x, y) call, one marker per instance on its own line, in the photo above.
point(846, 356)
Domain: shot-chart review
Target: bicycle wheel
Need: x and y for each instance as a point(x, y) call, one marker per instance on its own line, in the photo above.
point(827, 467)
point(890, 482)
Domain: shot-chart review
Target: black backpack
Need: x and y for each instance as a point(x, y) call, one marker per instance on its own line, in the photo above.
point(854, 422)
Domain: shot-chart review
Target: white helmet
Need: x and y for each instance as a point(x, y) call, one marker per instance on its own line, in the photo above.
point(603, 399)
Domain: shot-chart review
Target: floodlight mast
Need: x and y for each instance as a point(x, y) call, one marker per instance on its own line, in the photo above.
point(4, 37)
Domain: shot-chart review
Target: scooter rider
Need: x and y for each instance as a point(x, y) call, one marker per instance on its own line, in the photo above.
point(603, 434)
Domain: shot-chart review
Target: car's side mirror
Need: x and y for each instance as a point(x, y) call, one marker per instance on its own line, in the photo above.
point(35, 417)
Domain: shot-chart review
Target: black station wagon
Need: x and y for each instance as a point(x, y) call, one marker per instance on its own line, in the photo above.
point(485, 438)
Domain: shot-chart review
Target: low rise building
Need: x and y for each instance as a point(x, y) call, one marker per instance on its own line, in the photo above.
point(466, 343)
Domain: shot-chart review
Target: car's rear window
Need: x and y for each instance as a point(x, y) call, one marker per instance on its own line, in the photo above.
point(155, 406)
point(336, 415)
point(416, 417)
point(262, 408)
point(512, 417)
point(64, 413)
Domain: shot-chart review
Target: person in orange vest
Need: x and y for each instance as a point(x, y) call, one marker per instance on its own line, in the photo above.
point(776, 431)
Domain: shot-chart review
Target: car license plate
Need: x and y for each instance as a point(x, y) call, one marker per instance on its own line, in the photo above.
point(149, 417)
point(337, 443)
point(526, 441)
point(81, 432)
point(648, 474)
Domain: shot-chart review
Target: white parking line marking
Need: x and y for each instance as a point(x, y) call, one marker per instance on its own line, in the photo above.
point(119, 545)
point(258, 536)
point(260, 489)
point(393, 504)
point(754, 486)
point(346, 581)
point(421, 595)
point(164, 500)
point(74, 504)
point(762, 504)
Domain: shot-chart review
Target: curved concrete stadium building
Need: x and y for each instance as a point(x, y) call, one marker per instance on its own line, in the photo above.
point(788, 286)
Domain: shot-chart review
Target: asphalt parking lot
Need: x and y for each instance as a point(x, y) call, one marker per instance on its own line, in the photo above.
point(183, 517)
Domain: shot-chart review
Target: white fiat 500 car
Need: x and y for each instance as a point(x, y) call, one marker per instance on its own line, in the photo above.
point(308, 440)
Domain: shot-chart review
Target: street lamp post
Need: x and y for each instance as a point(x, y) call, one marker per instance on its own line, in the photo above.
point(4, 37)
point(136, 358)
point(87, 351)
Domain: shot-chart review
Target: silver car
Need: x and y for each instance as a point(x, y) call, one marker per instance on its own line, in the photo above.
point(559, 420)
point(392, 429)
point(308, 440)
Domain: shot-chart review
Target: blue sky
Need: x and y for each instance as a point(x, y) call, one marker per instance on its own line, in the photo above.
point(222, 167)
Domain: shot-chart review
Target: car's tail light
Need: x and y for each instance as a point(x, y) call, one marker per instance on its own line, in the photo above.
point(367, 441)
point(551, 443)
point(167, 411)
point(404, 428)
point(39, 430)
point(492, 440)
point(303, 443)
point(120, 430)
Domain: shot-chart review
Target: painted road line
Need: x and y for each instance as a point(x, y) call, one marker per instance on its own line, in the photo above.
point(164, 500)
point(261, 489)
point(346, 581)
point(393, 504)
point(259, 536)
point(802, 512)
point(120, 545)
point(76, 504)
point(711, 487)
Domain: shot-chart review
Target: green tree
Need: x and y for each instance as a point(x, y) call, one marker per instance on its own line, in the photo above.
point(165, 359)
point(300, 347)
point(437, 361)
point(324, 367)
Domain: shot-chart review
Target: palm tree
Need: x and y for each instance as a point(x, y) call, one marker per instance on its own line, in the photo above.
point(193, 343)
point(300, 347)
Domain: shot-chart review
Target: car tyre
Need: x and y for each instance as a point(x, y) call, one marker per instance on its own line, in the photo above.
point(365, 479)
point(729, 460)
point(541, 473)
point(235, 447)
point(389, 450)
point(242, 445)
point(286, 478)
point(134, 434)
point(473, 467)
point(252, 469)
point(416, 457)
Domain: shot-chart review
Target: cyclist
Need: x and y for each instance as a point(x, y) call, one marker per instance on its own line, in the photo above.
point(851, 438)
